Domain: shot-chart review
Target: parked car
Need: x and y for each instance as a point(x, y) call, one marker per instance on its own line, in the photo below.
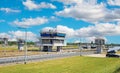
point(112, 54)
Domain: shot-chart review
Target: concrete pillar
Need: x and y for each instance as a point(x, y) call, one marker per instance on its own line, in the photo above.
point(58, 48)
point(49, 48)
point(99, 49)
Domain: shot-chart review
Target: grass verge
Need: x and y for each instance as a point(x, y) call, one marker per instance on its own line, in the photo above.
point(68, 65)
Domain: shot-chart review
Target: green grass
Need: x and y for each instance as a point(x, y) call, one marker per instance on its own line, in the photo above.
point(8, 48)
point(68, 65)
point(15, 48)
point(70, 47)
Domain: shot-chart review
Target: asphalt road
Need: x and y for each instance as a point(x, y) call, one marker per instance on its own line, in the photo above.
point(41, 57)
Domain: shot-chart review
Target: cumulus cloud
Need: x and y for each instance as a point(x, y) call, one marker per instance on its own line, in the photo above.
point(88, 10)
point(7, 10)
point(4, 35)
point(112, 15)
point(21, 35)
point(102, 29)
point(47, 29)
point(72, 2)
point(114, 2)
point(27, 22)
point(69, 2)
point(31, 5)
point(14, 35)
point(99, 30)
point(62, 29)
point(84, 11)
point(89, 33)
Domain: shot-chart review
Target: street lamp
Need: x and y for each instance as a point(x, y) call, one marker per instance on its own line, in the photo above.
point(25, 47)
point(25, 50)
point(80, 48)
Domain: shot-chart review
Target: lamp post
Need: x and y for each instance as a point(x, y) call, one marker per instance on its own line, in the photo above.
point(80, 49)
point(25, 46)
point(25, 50)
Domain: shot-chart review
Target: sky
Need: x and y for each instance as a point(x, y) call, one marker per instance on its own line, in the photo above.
point(80, 20)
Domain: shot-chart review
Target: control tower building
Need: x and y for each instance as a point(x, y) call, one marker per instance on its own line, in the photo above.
point(100, 42)
point(52, 40)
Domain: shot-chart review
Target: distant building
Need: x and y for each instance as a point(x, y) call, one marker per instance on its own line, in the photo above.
point(52, 40)
point(21, 43)
point(100, 43)
point(4, 41)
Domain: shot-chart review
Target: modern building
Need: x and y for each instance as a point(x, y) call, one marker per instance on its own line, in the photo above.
point(52, 40)
point(100, 43)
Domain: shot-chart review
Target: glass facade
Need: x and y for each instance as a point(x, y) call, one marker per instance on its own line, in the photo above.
point(52, 35)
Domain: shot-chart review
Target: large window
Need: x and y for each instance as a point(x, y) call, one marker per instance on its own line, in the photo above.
point(58, 41)
point(46, 41)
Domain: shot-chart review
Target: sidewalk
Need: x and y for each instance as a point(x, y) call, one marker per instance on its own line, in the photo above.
point(96, 55)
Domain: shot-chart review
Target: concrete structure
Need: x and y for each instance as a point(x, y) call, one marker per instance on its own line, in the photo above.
point(21, 44)
point(100, 44)
point(52, 40)
point(4, 41)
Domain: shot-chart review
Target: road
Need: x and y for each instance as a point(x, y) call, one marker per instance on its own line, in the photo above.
point(41, 57)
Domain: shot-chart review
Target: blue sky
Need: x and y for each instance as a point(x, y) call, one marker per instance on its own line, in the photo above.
point(85, 19)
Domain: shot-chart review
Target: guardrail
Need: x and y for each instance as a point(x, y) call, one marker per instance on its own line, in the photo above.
point(40, 57)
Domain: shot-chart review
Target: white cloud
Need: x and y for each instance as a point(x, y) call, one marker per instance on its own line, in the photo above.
point(4, 35)
point(63, 29)
point(112, 15)
point(84, 11)
point(47, 29)
point(98, 30)
point(21, 35)
point(7, 10)
point(89, 33)
point(73, 2)
point(88, 10)
point(114, 2)
point(31, 5)
point(14, 35)
point(69, 2)
point(27, 22)
point(92, 39)
point(103, 29)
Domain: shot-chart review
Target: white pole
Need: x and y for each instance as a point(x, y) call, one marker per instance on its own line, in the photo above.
point(25, 46)
point(80, 47)
point(25, 50)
